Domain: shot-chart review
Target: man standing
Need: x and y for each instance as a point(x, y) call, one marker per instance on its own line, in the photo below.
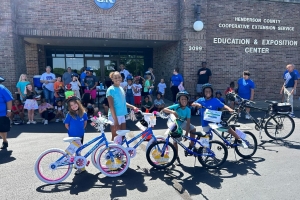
point(204, 75)
point(67, 76)
point(124, 71)
point(289, 86)
point(48, 80)
point(90, 82)
point(5, 112)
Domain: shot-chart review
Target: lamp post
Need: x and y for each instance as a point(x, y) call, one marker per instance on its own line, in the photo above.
point(198, 25)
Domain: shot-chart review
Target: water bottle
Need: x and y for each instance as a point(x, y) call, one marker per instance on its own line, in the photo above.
point(101, 86)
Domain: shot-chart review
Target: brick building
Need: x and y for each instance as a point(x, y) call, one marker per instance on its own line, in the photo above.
point(261, 36)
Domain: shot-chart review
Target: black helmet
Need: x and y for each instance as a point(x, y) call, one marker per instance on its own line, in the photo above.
point(183, 93)
point(231, 96)
point(218, 92)
point(70, 98)
point(1, 79)
point(207, 85)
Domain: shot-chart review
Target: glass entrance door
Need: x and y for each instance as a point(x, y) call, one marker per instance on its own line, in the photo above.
point(102, 67)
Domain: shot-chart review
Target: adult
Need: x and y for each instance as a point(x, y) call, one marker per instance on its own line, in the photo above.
point(90, 82)
point(48, 80)
point(67, 76)
point(124, 71)
point(204, 75)
point(176, 80)
point(246, 89)
point(289, 86)
point(82, 77)
point(5, 112)
point(298, 76)
point(21, 85)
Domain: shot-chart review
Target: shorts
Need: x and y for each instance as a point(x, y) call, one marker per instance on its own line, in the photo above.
point(199, 88)
point(92, 92)
point(137, 99)
point(183, 126)
point(4, 124)
point(121, 119)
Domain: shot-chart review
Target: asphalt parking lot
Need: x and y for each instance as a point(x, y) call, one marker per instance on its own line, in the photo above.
point(272, 173)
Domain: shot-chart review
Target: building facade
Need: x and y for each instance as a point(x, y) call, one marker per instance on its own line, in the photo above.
point(261, 36)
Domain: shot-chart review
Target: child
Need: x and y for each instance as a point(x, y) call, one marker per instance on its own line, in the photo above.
point(17, 109)
point(75, 84)
point(21, 85)
point(213, 103)
point(159, 104)
point(137, 92)
point(182, 112)
point(161, 87)
point(46, 111)
point(59, 110)
point(76, 121)
point(230, 89)
point(129, 91)
point(219, 96)
point(30, 103)
point(147, 105)
point(117, 104)
point(59, 89)
point(69, 92)
point(123, 84)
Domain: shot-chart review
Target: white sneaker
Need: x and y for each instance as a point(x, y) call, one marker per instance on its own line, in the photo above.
point(243, 144)
point(45, 122)
point(247, 116)
point(57, 120)
point(33, 122)
point(240, 114)
point(28, 122)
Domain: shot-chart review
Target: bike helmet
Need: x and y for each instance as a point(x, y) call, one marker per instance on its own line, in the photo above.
point(89, 69)
point(1, 79)
point(183, 93)
point(74, 74)
point(129, 77)
point(207, 85)
point(70, 98)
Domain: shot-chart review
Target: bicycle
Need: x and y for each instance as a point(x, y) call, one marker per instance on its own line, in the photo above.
point(276, 117)
point(158, 152)
point(55, 165)
point(145, 124)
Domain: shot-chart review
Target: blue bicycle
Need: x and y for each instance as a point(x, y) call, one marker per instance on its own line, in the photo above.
point(55, 165)
point(211, 153)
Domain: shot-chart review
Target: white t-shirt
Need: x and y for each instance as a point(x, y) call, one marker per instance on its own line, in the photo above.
point(138, 87)
point(75, 85)
point(161, 87)
point(123, 84)
point(125, 72)
point(59, 108)
point(48, 77)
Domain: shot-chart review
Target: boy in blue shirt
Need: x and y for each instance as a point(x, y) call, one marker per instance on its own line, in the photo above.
point(181, 111)
point(209, 102)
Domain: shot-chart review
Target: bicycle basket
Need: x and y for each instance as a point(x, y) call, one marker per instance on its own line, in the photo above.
point(282, 108)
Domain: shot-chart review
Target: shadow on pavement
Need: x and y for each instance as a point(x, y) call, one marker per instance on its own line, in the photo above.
point(5, 156)
point(130, 180)
point(280, 143)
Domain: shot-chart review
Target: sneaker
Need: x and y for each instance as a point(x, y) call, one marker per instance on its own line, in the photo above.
point(178, 161)
point(79, 171)
point(292, 115)
point(33, 122)
point(240, 114)
point(57, 120)
point(242, 143)
point(45, 122)
point(187, 153)
point(4, 145)
point(247, 116)
point(28, 122)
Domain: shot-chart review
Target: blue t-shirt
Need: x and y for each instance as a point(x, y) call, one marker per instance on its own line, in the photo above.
point(76, 126)
point(176, 79)
point(82, 77)
point(5, 96)
point(22, 86)
point(245, 87)
point(222, 100)
point(289, 79)
point(295, 71)
point(118, 95)
point(182, 113)
point(211, 104)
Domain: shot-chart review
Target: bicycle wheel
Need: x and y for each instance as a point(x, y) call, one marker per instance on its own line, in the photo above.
point(220, 155)
point(280, 126)
point(95, 154)
point(251, 143)
point(47, 168)
point(154, 152)
point(113, 161)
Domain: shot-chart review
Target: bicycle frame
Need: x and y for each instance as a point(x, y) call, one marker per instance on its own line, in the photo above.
point(147, 133)
point(227, 143)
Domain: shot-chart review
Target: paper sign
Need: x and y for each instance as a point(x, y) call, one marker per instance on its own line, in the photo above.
point(212, 115)
point(72, 148)
point(204, 141)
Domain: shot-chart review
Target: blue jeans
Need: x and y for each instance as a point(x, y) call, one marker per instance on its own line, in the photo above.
point(130, 100)
point(48, 95)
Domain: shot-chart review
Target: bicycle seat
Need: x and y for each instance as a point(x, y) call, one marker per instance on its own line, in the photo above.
point(200, 134)
point(272, 102)
point(122, 132)
point(70, 139)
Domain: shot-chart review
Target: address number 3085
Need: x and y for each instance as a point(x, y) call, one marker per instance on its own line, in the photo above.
point(195, 48)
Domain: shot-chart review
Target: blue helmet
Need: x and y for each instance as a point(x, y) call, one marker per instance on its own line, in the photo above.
point(129, 77)
point(207, 85)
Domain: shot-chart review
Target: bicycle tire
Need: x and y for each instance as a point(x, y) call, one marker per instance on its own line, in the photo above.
point(41, 172)
point(204, 160)
point(251, 146)
point(117, 168)
point(282, 118)
point(152, 150)
point(95, 153)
